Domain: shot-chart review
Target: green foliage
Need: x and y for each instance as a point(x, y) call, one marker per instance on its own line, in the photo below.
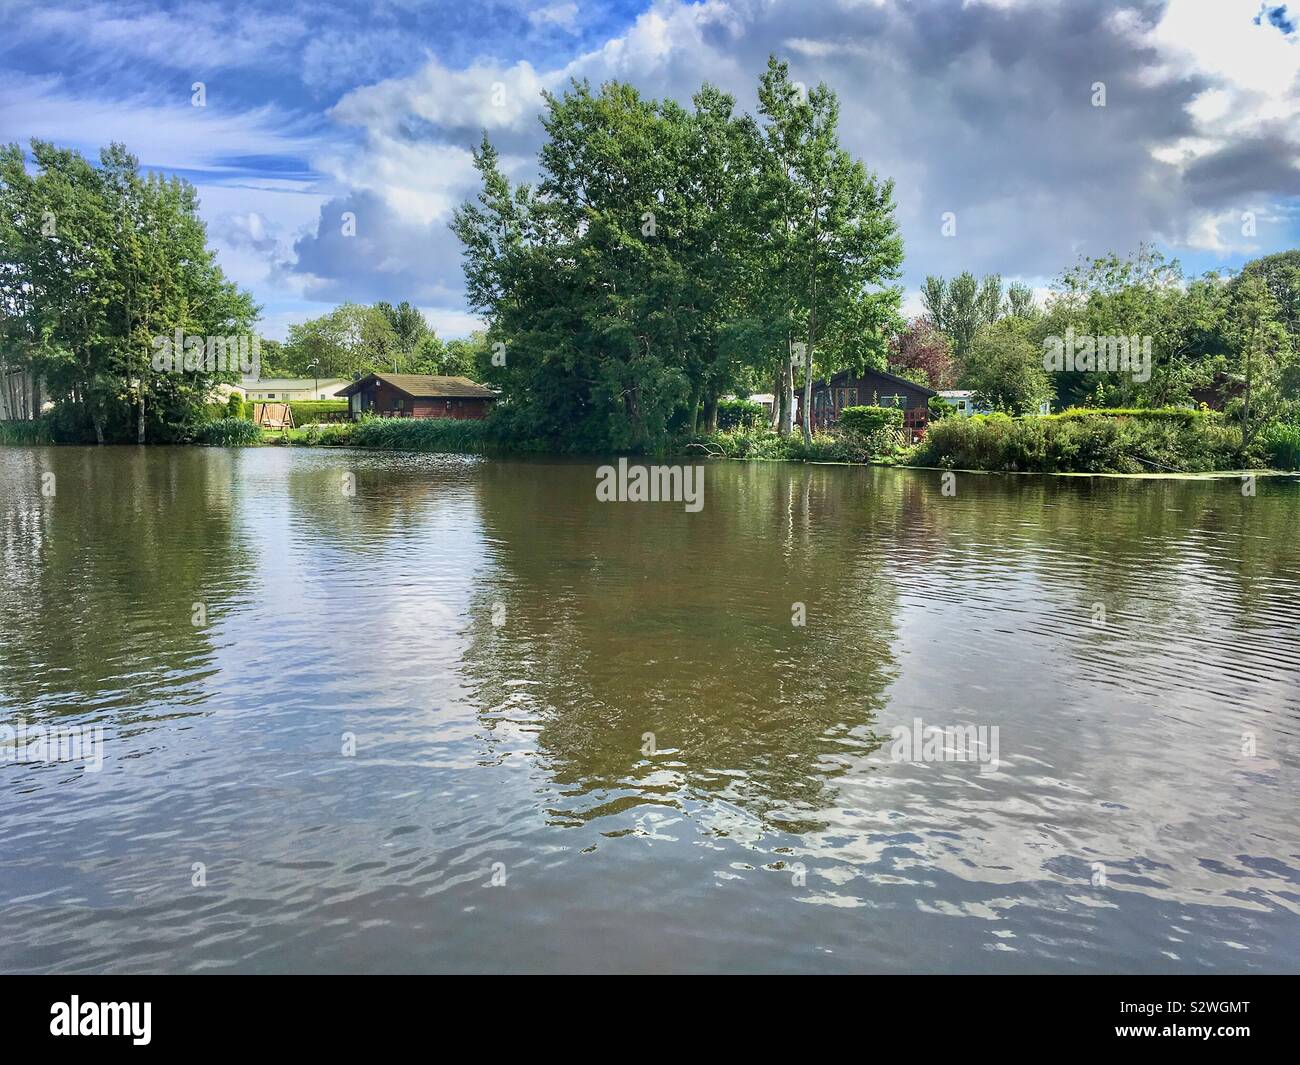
point(765, 444)
point(307, 411)
point(351, 340)
point(740, 414)
point(98, 261)
point(669, 256)
point(1087, 443)
point(868, 420)
point(235, 405)
point(1280, 445)
point(334, 434)
point(228, 432)
point(1175, 414)
point(24, 432)
point(1004, 368)
point(422, 434)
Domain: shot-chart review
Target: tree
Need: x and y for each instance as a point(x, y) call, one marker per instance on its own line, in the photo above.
point(1261, 345)
point(350, 341)
point(96, 263)
point(833, 221)
point(1004, 368)
point(670, 255)
point(922, 347)
point(408, 325)
point(1020, 301)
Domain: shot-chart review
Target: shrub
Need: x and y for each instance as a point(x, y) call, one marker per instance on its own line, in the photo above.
point(228, 432)
point(235, 405)
point(868, 420)
point(740, 414)
point(338, 434)
point(1092, 443)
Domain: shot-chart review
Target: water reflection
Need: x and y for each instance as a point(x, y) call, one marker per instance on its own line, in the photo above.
point(611, 703)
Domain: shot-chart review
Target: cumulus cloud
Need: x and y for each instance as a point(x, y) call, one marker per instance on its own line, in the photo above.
point(982, 109)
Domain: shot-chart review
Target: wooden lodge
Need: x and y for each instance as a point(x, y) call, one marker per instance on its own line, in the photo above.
point(414, 395)
point(876, 388)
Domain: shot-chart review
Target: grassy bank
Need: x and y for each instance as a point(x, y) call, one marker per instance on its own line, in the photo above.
point(1096, 442)
point(24, 433)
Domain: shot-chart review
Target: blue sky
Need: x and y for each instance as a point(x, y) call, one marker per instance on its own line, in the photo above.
point(983, 108)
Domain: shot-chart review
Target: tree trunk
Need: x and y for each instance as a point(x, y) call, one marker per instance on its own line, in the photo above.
point(139, 423)
point(805, 413)
point(710, 414)
point(787, 392)
point(1245, 406)
point(776, 399)
point(98, 424)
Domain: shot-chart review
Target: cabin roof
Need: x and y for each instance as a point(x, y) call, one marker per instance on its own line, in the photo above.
point(423, 386)
point(885, 374)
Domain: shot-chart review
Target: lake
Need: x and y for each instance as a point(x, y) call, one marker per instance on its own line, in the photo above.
point(389, 712)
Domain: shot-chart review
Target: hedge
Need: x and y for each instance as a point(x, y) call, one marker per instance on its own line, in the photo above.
point(740, 413)
point(1154, 414)
point(868, 420)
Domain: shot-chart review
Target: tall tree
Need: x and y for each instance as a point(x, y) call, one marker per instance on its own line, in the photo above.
point(834, 225)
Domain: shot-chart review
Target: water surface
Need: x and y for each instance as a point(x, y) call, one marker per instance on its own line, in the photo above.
point(468, 718)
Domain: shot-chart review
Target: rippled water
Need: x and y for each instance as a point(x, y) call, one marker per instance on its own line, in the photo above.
point(1133, 641)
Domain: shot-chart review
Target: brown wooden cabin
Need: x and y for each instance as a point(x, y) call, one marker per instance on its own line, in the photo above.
point(1217, 394)
point(876, 388)
point(417, 395)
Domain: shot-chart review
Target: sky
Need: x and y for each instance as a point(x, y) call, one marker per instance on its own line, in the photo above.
point(985, 109)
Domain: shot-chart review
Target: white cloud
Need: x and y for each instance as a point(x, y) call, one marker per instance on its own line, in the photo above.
point(562, 14)
point(172, 134)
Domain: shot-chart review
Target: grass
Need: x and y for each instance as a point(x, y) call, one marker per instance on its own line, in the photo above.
point(24, 432)
point(228, 432)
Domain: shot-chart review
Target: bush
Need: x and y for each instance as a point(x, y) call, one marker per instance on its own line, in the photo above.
point(228, 432)
point(1098, 443)
point(868, 420)
point(24, 432)
point(740, 414)
point(338, 434)
point(235, 405)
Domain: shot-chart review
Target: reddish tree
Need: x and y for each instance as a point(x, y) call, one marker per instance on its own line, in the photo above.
point(922, 347)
